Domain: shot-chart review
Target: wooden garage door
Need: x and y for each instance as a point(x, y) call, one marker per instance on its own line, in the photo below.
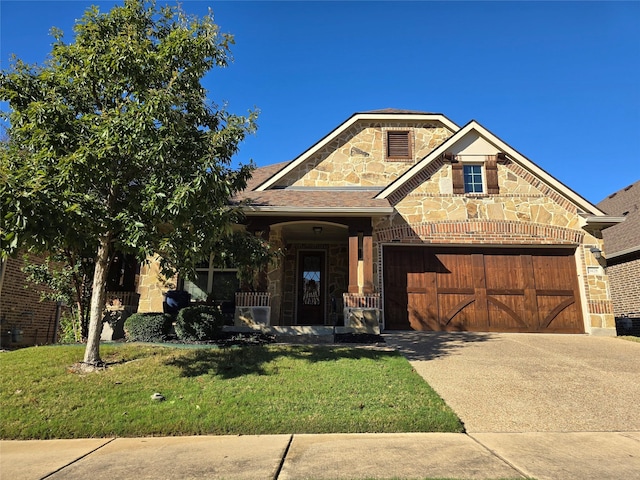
point(486, 290)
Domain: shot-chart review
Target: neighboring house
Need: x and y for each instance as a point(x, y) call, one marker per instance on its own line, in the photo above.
point(27, 320)
point(436, 226)
point(24, 319)
point(622, 246)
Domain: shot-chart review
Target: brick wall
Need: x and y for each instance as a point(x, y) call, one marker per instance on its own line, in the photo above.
point(21, 308)
point(624, 281)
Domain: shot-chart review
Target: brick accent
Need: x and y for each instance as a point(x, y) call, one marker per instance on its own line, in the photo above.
point(21, 308)
point(417, 180)
point(481, 232)
point(543, 187)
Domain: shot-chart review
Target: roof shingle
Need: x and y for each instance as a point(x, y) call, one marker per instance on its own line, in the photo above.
point(623, 203)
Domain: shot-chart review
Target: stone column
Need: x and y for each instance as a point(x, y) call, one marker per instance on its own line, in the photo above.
point(353, 263)
point(367, 260)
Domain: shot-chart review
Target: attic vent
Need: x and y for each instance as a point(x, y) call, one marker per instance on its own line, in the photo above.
point(624, 214)
point(628, 188)
point(612, 195)
point(398, 145)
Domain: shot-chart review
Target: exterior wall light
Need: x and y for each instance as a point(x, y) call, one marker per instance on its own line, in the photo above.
point(597, 253)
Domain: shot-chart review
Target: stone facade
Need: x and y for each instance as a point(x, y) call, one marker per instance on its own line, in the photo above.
point(526, 211)
point(354, 157)
point(152, 286)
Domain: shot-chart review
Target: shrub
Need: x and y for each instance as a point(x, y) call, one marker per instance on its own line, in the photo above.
point(147, 327)
point(201, 322)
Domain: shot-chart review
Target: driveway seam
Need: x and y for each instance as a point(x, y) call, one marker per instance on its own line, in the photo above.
point(499, 457)
point(284, 457)
point(78, 459)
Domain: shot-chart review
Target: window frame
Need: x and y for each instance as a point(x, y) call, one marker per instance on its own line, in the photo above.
point(389, 155)
point(210, 270)
point(481, 173)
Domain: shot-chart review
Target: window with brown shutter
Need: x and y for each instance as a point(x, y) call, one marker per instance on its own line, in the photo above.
point(398, 145)
point(467, 177)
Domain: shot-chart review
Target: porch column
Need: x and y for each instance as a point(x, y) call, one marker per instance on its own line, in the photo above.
point(262, 276)
point(353, 263)
point(367, 264)
point(360, 259)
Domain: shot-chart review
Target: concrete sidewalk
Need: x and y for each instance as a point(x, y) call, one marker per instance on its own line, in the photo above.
point(544, 456)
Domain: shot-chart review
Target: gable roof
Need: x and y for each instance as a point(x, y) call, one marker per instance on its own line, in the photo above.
point(624, 237)
point(375, 115)
point(503, 147)
point(318, 201)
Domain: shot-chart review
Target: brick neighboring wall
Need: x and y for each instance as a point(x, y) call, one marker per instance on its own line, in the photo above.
point(624, 280)
point(21, 308)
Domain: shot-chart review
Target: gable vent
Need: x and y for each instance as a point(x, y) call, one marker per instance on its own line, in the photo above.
point(398, 145)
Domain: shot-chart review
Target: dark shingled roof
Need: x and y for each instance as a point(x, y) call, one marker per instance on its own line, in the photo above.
point(400, 111)
point(305, 199)
point(623, 203)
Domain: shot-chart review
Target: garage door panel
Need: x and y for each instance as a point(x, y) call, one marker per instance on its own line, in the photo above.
point(504, 272)
point(423, 314)
point(458, 271)
point(481, 290)
point(557, 312)
point(553, 272)
point(507, 312)
point(456, 312)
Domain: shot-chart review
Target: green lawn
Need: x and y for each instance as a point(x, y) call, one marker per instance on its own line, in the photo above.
point(247, 390)
point(630, 338)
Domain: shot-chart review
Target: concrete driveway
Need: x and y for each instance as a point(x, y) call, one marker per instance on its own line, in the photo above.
point(530, 382)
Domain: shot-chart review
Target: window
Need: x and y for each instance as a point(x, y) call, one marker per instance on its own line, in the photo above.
point(214, 281)
point(475, 176)
point(472, 178)
point(398, 145)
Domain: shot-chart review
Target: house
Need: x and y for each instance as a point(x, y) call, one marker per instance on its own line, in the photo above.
point(622, 243)
point(24, 318)
point(407, 221)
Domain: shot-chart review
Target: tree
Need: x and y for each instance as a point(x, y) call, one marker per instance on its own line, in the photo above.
point(67, 279)
point(113, 145)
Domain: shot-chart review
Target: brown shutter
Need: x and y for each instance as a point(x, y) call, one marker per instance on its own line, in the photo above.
point(491, 169)
point(398, 145)
point(458, 177)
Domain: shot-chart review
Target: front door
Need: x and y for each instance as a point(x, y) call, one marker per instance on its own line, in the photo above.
point(311, 294)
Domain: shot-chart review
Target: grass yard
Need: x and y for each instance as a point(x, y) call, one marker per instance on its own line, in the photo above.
point(245, 390)
point(630, 338)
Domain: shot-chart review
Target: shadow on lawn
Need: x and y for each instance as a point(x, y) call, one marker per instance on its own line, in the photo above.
point(246, 360)
point(431, 345)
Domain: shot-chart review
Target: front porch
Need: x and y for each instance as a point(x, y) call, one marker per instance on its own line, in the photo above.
point(324, 277)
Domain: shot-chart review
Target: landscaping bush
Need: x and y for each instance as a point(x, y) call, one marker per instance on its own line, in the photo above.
point(147, 327)
point(198, 323)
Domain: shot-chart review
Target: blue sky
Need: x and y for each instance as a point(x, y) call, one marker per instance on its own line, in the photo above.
point(558, 81)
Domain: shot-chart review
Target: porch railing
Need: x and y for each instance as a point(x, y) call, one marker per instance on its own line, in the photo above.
point(253, 299)
point(122, 300)
point(361, 300)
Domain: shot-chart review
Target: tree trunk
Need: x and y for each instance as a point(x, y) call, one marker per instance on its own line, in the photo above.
point(98, 298)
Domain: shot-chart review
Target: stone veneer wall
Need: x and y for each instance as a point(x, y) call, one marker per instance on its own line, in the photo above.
point(357, 156)
point(337, 258)
point(625, 287)
point(152, 286)
point(525, 212)
point(275, 277)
